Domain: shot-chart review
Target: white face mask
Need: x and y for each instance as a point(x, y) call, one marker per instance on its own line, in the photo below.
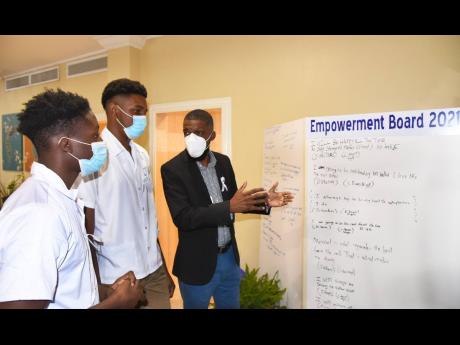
point(196, 145)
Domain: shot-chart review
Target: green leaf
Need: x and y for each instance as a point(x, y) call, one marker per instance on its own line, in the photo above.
point(260, 292)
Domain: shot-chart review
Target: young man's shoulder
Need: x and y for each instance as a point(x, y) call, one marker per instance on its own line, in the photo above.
point(33, 219)
point(33, 192)
point(37, 202)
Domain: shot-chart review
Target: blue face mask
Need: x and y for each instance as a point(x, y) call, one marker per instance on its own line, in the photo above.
point(89, 166)
point(137, 128)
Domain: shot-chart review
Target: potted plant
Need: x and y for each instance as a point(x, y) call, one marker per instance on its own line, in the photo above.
point(260, 292)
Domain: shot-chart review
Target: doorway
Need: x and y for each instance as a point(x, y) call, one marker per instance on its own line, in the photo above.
point(166, 142)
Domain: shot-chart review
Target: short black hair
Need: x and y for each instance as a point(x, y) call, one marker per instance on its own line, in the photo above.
point(49, 113)
point(122, 87)
point(200, 114)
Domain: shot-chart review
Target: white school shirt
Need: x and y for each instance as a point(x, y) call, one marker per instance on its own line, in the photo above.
point(125, 217)
point(44, 251)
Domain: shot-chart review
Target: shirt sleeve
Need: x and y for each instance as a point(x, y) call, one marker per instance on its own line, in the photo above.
point(32, 251)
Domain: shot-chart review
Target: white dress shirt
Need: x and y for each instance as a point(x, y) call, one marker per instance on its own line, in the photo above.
point(125, 217)
point(44, 251)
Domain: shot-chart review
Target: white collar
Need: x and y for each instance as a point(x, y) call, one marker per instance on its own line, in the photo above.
point(113, 144)
point(42, 172)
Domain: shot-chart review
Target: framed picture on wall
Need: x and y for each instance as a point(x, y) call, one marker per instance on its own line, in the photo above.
point(12, 144)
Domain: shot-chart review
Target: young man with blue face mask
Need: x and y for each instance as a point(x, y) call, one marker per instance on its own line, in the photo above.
point(119, 201)
point(45, 261)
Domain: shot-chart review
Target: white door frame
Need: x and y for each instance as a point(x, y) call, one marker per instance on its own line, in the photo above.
point(225, 104)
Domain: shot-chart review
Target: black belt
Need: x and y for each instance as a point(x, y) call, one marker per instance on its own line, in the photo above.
point(221, 250)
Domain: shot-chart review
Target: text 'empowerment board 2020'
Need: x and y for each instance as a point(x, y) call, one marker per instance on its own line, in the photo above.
point(383, 226)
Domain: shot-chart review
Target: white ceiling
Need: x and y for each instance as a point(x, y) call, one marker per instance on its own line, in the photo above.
point(23, 52)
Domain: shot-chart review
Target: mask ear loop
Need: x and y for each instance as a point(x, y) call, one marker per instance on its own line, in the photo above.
point(207, 146)
point(78, 141)
point(120, 122)
point(131, 116)
point(124, 114)
point(210, 135)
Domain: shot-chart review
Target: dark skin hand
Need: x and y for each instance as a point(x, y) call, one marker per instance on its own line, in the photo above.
point(278, 199)
point(125, 293)
point(245, 201)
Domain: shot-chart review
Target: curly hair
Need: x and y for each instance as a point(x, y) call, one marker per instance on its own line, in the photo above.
point(49, 113)
point(122, 87)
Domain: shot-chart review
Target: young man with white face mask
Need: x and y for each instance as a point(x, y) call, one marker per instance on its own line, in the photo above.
point(45, 260)
point(202, 196)
point(119, 201)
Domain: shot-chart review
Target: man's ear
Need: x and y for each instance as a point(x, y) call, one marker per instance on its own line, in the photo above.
point(213, 136)
point(64, 144)
point(110, 109)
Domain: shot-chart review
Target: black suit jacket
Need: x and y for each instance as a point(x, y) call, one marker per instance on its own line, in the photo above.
point(196, 217)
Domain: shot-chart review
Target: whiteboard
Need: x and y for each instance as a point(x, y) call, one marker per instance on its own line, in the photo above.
point(283, 230)
point(382, 216)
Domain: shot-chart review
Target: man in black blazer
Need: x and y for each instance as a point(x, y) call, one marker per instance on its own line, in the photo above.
point(202, 196)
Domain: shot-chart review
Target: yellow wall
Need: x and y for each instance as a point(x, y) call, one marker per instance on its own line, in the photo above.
point(274, 79)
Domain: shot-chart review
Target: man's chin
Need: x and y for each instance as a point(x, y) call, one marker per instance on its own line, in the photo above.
point(203, 156)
